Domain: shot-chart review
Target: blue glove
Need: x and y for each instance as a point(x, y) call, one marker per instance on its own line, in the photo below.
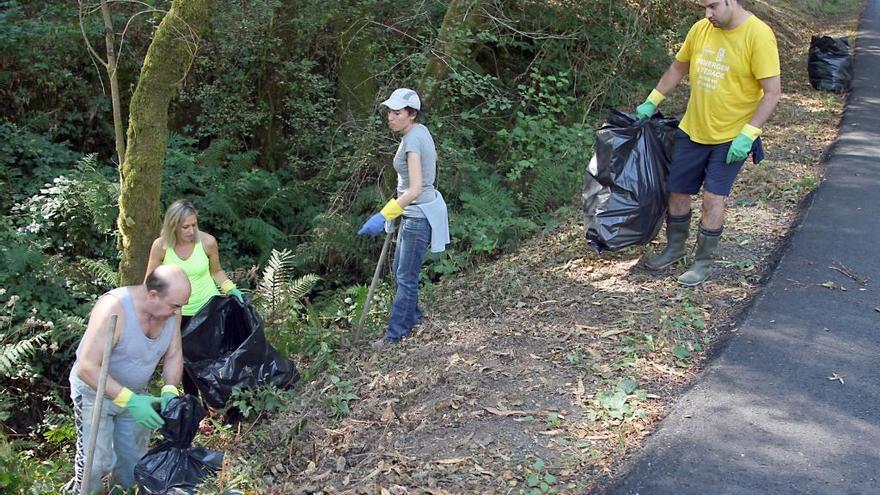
point(742, 145)
point(373, 226)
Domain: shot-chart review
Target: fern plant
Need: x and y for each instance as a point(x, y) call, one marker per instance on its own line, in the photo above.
point(15, 354)
point(330, 247)
point(100, 271)
point(275, 275)
point(490, 219)
point(550, 187)
point(249, 209)
point(277, 293)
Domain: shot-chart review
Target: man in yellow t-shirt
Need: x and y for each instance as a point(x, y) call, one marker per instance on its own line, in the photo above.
point(733, 64)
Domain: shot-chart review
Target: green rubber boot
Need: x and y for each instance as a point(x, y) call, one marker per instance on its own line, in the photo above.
point(707, 242)
point(677, 230)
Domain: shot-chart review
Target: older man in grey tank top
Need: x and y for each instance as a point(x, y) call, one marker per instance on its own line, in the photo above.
point(147, 331)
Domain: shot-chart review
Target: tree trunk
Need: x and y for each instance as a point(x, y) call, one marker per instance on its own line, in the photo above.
point(357, 86)
point(168, 58)
point(461, 16)
point(112, 67)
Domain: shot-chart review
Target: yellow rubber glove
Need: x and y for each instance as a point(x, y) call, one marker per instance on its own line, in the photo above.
point(391, 210)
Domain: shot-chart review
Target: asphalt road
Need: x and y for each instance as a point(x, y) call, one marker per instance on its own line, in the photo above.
point(766, 417)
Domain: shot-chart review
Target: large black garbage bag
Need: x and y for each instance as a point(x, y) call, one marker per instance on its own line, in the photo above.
point(830, 64)
point(225, 347)
point(625, 183)
point(175, 466)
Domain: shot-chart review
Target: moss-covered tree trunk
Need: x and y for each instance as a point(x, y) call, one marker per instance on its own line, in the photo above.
point(462, 17)
point(168, 58)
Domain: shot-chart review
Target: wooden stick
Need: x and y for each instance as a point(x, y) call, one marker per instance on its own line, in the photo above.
point(99, 402)
point(373, 284)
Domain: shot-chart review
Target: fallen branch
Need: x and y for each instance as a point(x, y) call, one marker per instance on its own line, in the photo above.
point(840, 267)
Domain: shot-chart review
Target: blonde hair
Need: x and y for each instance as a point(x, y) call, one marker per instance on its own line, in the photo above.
point(179, 211)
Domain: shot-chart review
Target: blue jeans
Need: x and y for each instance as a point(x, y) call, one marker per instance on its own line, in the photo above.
point(121, 442)
point(413, 238)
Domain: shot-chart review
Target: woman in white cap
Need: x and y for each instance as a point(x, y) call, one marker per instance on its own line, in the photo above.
point(421, 206)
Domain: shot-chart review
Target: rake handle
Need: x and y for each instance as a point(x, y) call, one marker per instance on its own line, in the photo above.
point(99, 403)
point(373, 284)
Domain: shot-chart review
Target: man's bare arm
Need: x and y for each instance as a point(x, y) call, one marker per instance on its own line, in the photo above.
point(772, 93)
point(172, 363)
point(89, 365)
point(673, 75)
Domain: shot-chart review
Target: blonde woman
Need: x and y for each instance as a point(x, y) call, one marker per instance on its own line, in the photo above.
point(184, 245)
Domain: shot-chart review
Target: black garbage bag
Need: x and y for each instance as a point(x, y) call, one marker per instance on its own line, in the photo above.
point(225, 347)
point(830, 64)
point(175, 466)
point(625, 183)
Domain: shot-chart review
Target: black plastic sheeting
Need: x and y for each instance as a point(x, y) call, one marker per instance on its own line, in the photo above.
point(175, 466)
point(625, 183)
point(225, 347)
point(830, 64)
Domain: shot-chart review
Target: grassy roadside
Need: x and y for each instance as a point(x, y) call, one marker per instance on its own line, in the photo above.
point(542, 372)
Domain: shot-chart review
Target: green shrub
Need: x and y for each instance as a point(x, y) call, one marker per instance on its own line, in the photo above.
point(75, 213)
point(28, 160)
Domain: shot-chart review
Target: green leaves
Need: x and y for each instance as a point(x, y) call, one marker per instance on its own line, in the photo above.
point(490, 218)
point(614, 402)
point(543, 152)
point(684, 352)
point(627, 386)
point(537, 480)
point(253, 402)
point(338, 401)
point(681, 352)
point(619, 403)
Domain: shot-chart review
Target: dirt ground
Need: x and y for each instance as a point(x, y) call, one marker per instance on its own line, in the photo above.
point(542, 371)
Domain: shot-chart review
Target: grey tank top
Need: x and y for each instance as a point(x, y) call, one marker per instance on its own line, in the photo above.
point(135, 357)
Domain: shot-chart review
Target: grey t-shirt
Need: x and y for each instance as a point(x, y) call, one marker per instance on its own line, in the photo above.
point(418, 140)
point(135, 357)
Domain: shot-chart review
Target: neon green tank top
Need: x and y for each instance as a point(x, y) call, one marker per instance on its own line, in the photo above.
point(198, 269)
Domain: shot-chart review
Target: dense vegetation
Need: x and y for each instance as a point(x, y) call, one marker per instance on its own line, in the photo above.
point(278, 139)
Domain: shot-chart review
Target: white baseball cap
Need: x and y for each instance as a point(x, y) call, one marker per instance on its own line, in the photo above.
point(401, 98)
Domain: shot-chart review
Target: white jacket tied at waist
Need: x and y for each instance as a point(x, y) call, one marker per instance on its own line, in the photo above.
point(438, 218)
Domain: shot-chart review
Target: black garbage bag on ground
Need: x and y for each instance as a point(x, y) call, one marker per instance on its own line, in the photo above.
point(225, 347)
point(175, 466)
point(830, 64)
point(625, 183)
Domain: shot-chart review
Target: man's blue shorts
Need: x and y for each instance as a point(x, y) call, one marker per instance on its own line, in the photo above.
point(695, 165)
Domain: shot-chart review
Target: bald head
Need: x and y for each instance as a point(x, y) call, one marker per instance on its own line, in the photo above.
point(168, 278)
point(166, 290)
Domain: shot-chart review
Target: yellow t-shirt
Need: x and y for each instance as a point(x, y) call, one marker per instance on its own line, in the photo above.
point(725, 69)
